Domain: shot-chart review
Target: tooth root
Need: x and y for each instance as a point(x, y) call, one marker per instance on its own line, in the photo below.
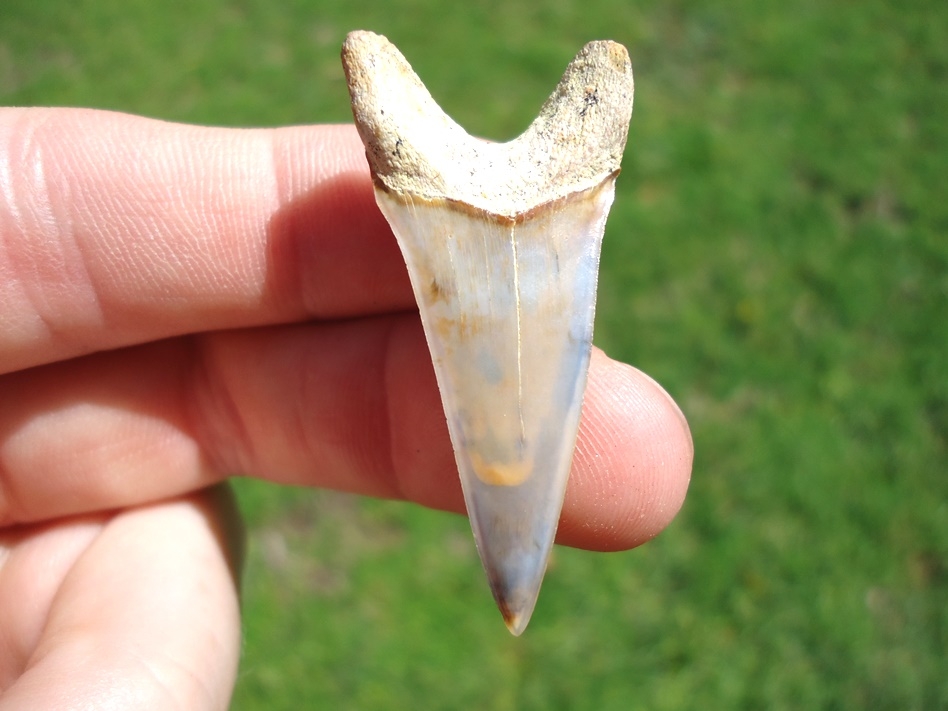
point(502, 246)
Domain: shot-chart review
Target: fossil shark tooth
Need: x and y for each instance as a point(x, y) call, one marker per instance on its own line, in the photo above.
point(502, 246)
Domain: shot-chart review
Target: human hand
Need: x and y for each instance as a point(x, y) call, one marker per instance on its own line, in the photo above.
point(180, 304)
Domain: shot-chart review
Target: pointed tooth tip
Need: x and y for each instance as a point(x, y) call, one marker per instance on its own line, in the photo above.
point(516, 622)
point(515, 606)
point(516, 617)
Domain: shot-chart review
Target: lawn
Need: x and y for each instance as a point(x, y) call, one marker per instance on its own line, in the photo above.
point(777, 257)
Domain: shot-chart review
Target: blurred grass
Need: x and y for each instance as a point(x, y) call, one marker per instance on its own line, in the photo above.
point(777, 257)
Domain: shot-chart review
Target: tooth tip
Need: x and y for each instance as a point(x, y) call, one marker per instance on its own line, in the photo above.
point(516, 609)
point(516, 622)
point(515, 576)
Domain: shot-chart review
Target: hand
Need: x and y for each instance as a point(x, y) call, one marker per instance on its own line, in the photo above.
point(180, 304)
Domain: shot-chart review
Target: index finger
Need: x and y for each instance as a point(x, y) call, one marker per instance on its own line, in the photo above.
point(116, 230)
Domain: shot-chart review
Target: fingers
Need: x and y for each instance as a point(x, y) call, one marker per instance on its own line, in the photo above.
point(350, 405)
point(145, 617)
point(633, 458)
point(117, 230)
point(34, 560)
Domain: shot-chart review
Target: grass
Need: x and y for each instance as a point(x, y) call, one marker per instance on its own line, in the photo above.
point(777, 257)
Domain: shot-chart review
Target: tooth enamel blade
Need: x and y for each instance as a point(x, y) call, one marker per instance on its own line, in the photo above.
point(502, 246)
point(508, 312)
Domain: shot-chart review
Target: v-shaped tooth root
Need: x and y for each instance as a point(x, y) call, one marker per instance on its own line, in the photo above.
point(502, 246)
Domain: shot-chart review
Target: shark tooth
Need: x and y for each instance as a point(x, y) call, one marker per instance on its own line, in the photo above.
point(502, 245)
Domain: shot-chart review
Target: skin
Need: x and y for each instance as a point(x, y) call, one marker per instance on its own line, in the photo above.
point(182, 304)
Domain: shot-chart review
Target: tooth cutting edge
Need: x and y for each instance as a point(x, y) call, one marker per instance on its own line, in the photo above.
point(502, 243)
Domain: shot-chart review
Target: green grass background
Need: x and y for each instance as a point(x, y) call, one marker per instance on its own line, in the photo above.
point(777, 257)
